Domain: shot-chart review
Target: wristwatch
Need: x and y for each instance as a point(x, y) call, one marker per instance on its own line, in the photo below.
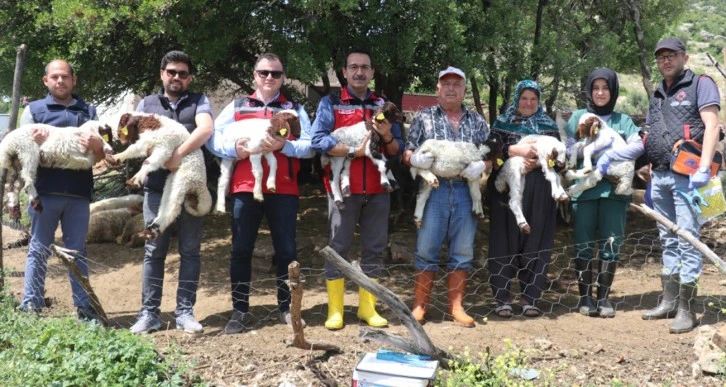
point(351, 153)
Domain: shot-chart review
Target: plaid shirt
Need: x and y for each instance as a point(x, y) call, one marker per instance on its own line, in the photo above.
point(432, 123)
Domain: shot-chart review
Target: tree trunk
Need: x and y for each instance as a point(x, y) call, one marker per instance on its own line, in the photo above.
point(19, 64)
point(475, 94)
point(537, 56)
point(493, 92)
point(642, 51)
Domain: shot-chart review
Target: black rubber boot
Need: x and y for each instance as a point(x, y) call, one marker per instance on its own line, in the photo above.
point(604, 284)
point(667, 308)
point(583, 268)
point(685, 319)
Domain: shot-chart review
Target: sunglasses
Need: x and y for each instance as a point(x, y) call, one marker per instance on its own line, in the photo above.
point(174, 73)
point(275, 74)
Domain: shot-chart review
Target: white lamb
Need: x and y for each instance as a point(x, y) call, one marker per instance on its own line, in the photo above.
point(550, 152)
point(593, 135)
point(128, 201)
point(187, 186)
point(450, 159)
point(353, 136)
point(61, 149)
point(282, 124)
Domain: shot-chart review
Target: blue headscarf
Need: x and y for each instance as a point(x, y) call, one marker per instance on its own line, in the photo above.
point(536, 123)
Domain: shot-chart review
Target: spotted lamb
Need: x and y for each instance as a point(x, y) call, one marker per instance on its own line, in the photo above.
point(450, 160)
point(550, 152)
point(61, 149)
point(282, 124)
point(353, 136)
point(593, 136)
point(186, 186)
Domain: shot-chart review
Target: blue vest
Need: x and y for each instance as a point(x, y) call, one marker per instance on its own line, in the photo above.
point(63, 181)
point(185, 114)
point(670, 111)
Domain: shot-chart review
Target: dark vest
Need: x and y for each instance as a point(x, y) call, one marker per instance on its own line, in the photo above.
point(55, 180)
point(670, 111)
point(287, 167)
point(185, 114)
point(349, 110)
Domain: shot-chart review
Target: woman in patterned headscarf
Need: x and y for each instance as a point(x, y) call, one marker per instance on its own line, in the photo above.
point(598, 213)
point(512, 253)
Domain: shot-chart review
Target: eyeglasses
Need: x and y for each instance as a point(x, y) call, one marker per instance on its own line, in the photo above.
point(364, 68)
point(275, 74)
point(670, 57)
point(174, 73)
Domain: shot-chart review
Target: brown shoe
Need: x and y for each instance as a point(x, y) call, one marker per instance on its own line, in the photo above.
point(457, 289)
point(422, 294)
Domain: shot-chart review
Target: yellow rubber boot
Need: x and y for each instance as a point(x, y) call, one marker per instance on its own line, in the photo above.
point(336, 290)
point(367, 309)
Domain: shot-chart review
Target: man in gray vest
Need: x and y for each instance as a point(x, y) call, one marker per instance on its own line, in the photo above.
point(685, 105)
point(194, 111)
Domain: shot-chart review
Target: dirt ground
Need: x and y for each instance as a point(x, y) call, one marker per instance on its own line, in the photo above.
point(565, 347)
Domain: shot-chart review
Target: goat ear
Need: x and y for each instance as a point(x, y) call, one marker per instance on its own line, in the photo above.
point(124, 120)
point(294, 124)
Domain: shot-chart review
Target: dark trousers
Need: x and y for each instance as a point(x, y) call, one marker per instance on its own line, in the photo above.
point(281, 214)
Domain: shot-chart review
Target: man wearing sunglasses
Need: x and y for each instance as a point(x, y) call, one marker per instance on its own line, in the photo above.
point(369, 203)
point(65, 193)
point(280, 207)
point(194, 111)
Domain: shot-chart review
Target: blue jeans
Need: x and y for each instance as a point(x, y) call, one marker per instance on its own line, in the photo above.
point(190, 240)
point(370, 212)
point(281, 213)
point(73, 214)
point(447, 219)
point(679, 256)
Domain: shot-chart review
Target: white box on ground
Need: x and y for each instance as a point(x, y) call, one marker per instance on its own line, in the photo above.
point(372, 372)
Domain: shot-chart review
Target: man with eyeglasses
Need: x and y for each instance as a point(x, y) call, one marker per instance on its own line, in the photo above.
point(447, 215)
point(685, 105)
point(65, 193)
point(369, 203)
point(194, 111)
point(280, 207)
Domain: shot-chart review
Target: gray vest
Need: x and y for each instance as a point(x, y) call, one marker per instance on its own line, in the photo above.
point(670, 112)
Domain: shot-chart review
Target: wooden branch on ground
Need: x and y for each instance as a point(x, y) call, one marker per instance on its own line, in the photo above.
point(672, 227)
point(66, 256)
point(295, 283)
point(422, 344)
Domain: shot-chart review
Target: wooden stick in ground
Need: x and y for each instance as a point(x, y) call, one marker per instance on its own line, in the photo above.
point(296, 291)
point(19, 65)
point(672, 227)
point(422, 344)
point(3, 177)
point(66, 256)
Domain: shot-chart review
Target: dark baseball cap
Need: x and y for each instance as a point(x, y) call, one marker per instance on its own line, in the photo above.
point(673, 44)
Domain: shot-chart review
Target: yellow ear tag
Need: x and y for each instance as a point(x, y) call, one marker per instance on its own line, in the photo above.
point(125, 131)
point(283, 132)
point(105, 138)
point(500, 162)
point(551, 163)
point(594, 132)
point(380, 117)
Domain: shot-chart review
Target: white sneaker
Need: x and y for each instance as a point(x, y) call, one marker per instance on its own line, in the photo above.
point(188, 323)
point(146, 323)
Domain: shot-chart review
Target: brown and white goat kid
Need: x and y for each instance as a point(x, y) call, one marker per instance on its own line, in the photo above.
point(187, 186)
point(61, 149)
point(353, 136)
point(284, 124)
point(593, 135)
point(450, 160)
point(550, 152)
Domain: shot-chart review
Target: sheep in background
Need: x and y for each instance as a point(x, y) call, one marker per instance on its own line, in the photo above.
point(283, 124)
point(353, 136)
point(60, 150)
point(593, 135)
point(106, 226)
point(550, 152)
point(450, 159)
point(118, 202)
point(187, 186)
point(130, 236)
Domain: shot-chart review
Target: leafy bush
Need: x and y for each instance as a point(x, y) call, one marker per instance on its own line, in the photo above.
point(485, 370)
point(50, 351)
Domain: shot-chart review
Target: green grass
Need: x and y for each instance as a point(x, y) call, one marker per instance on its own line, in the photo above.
point(62, 352)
